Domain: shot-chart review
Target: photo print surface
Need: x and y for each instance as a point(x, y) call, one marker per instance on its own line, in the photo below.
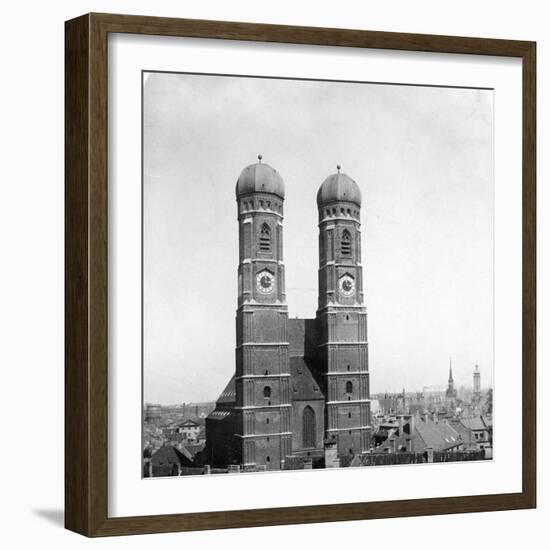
point(317, 274)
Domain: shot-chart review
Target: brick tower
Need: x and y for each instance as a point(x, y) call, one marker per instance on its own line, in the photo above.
point(262, 381)
point(477, 384)
point(342, 317)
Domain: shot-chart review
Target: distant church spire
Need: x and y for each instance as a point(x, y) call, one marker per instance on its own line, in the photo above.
point(451, 391)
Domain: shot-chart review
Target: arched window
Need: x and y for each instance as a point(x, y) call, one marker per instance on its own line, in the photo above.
point(267, 392)
point(265, 238)
point(308, 427)
point(349, 387)
point(345, 244)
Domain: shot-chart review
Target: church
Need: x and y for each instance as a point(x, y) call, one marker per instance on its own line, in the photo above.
point(301, 386)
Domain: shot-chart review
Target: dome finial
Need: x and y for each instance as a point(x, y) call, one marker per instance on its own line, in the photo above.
point(338, 168)
point(260, 159)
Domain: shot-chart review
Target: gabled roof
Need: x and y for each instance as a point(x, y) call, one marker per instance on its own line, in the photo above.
point(473, 423)
point(464, 432)
point(194, 449)
point(168, 454)
point(304, 385)
point(438, 435)
point(189, 423)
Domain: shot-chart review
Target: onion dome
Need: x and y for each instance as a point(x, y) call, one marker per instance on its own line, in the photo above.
point(260, 178)
point(338, 187)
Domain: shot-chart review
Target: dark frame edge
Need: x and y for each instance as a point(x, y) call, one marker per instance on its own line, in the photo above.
point(86, 485)
point(529, 273)
point(77, 154)
point(237, 519)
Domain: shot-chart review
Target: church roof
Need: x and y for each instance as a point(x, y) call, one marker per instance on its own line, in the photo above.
point(226, 401)
point(338, 187)
point(304, 385)
point(260, 178)
point(301, 337)
point(228, 395)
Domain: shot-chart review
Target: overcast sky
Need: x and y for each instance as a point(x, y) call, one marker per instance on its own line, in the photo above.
point(423, 158)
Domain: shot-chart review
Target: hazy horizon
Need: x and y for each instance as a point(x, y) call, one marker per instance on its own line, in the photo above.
point(423, 158)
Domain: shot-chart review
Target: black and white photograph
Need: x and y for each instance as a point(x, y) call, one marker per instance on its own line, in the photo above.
point(273, 274)
point(317, 274)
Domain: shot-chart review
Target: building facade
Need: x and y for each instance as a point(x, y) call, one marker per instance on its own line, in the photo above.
point(299, 384)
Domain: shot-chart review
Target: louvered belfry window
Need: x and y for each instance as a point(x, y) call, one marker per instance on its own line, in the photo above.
point(346, 243)
point(265, 238)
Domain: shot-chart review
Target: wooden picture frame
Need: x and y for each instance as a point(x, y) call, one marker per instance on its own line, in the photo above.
point(86, 285)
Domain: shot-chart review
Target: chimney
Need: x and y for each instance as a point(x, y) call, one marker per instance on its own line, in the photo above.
point(331, 455)
point(430, 453)
point(412, 424)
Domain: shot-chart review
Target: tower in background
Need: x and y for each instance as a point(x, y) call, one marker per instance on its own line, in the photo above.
point(451, 390)
point(477, 383)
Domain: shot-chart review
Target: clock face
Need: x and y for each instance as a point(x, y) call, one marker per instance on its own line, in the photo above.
point(347, 285)
point(265, 281)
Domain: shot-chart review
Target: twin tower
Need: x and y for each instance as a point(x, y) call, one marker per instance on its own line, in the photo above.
point(300, 386)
